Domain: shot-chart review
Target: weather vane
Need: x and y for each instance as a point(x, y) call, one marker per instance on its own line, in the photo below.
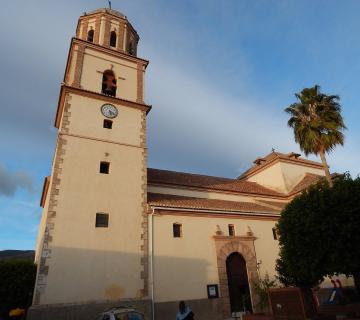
point(272, 149)
point(109, 4)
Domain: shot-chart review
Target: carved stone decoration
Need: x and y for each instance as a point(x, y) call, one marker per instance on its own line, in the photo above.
point(243, 245)
point(218, 231)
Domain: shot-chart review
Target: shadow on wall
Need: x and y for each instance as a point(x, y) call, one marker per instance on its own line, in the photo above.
point(81, 283)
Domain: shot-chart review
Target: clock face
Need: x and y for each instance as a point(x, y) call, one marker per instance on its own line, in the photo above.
point(109, 111)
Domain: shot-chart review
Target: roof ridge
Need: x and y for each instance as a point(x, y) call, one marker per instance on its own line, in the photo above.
point(167, 200)
point(168, 177)
point(296, 188)
point(193, 174)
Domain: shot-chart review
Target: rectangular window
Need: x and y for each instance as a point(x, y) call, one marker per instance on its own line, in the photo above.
point(102, 220)
point(104, 167)
point(177, 230)
point(231, 230)
point(275, 234)
point(107, 124)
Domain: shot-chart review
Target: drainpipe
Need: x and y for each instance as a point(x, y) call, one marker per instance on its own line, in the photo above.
point(151, 265)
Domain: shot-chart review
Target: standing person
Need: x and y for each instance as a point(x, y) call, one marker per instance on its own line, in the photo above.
point(185, 312)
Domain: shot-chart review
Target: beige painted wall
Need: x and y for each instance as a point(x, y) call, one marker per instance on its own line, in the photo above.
point(87, 120)
point(71, 72)
point(294, 173)
point(126, 72)
point(96, 263)
point(89, 263)
point(283, 176)
point(184, 266)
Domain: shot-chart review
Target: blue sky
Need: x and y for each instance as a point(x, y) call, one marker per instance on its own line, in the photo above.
point(220, 75)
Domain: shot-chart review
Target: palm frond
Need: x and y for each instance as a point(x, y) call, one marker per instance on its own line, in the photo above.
point(316, 120)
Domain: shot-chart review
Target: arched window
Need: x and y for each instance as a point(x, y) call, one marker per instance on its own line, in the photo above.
point(131, 49)
point(109, 83)
point(112, 39)
point(90, 35)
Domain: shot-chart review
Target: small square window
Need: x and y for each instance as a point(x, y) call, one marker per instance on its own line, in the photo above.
point(102, 220)
point(275, 234)
point(107, 124)
point(177, 230)
point(104, 167)
point(231, 230)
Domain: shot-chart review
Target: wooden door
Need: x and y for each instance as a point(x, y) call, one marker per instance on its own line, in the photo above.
point(238, 283)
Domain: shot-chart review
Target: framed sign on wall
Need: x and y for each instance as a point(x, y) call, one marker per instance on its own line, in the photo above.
point(212, 291)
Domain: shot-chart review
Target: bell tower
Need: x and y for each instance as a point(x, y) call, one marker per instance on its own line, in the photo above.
point(92, 238)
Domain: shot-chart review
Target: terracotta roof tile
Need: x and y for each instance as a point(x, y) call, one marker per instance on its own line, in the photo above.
point(308, 180)
point(276, 204)
point(173, 201)
point(156, 176)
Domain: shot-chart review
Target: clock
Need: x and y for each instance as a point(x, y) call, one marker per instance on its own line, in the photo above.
point(109, 111)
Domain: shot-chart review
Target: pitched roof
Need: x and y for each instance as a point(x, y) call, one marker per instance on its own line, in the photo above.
point(308, 180)
point(156, 176)
point(173, 201)
point(272, 157)
point(106, 10)
point(276, 204)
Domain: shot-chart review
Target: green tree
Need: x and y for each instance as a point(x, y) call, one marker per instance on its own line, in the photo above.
point(261, 288)
point(344, 210)
point(305, 232)
point(317, 123)
point(319, 234)
point(17, 279)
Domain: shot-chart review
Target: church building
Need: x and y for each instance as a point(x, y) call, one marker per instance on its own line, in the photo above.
point(114, 232)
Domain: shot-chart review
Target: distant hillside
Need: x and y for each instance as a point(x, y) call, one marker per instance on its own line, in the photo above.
point(17, 254)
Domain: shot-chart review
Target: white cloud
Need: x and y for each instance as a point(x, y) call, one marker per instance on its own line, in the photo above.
point(192, 116)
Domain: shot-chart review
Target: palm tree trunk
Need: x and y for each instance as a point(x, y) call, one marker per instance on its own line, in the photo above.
point(326, 167)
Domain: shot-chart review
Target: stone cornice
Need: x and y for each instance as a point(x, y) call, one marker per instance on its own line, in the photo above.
point(109, 51)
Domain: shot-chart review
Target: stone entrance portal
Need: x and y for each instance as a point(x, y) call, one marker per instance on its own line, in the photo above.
point(238, 283)
point(228, 247)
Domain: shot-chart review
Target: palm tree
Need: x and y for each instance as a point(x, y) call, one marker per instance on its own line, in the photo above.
point(317, 123)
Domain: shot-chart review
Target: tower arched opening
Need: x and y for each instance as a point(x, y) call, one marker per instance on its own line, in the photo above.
point(90, 35)
point(109, 83)
point(113, 39)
